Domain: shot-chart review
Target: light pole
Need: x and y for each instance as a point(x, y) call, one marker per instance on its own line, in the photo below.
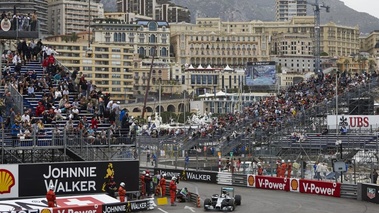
point(339, 143)
point(317, 8)
point(337, 74)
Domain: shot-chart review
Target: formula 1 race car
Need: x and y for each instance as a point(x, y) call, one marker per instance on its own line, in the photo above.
point(225, 201)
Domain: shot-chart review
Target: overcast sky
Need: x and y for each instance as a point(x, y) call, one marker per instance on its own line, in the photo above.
point(368, 6)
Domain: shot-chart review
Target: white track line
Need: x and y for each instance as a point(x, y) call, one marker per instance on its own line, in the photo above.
point(162, 210)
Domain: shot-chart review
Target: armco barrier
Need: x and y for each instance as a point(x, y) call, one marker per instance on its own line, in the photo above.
point(349, 191)
point(130, 206)
point(224, 178)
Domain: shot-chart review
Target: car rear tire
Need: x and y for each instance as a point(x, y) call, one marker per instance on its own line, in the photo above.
point(238, 199)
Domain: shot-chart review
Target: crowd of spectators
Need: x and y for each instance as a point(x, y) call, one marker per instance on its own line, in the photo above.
point(68, 98)
point(21, 22)
point(66, 95)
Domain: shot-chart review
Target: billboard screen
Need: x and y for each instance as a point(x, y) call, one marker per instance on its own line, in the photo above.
point(261, 73)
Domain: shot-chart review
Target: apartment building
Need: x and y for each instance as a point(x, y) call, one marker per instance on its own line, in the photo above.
point(287, 9)
point(69, 16)
point(27, 7)
point(156, 9)
point(109, 66)
point(172, 13)
point(141, 7)
point(128, 18)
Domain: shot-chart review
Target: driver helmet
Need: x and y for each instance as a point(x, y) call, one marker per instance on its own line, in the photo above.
point(51, 187)
point(173, 178)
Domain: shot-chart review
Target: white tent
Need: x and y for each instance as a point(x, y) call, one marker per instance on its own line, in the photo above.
point(200, 67)
point(191, 67)
point(221, 93)
point(209, 67)
point(227, 68)
point(206, 95)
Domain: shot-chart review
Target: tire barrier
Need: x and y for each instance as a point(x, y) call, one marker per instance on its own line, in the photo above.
point(198, 202)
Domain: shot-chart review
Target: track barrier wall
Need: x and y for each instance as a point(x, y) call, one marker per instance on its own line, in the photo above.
point(68, 178)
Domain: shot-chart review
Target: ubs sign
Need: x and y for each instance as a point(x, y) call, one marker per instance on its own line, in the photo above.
point(353, 121)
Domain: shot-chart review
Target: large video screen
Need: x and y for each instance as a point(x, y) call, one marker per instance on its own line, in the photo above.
point(261, 73)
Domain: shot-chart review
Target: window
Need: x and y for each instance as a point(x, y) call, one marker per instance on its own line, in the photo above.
point(153, 26)
point(164, 52)
point(152, 39)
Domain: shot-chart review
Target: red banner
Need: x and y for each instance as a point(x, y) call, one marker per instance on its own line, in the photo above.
point(295, 185)
point(320, 188)
point(85, 204)
point(274, 183)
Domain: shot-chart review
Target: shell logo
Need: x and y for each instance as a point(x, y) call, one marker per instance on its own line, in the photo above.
point(7, 181)
point(294, 184)
point(250, 180)
point(45, 211)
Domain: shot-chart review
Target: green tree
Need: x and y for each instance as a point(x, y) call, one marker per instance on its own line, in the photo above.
point(74, 37)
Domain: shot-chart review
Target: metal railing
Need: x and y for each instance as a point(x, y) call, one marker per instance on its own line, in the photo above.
point(17, 98)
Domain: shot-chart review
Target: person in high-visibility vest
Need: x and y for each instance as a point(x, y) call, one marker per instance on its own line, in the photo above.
point(173, 191)
point(50, 197)
point(162, 183)
point(122, 192)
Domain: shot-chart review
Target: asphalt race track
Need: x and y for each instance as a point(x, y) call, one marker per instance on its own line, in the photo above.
point(269, 201)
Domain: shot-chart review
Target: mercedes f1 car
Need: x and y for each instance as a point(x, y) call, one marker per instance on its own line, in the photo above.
point(225, 201)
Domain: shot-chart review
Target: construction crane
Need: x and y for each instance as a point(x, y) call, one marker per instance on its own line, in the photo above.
point(317, 50)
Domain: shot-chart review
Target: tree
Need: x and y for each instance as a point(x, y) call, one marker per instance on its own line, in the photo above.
point(324, 54)
point(74, 37)
point(279, 68)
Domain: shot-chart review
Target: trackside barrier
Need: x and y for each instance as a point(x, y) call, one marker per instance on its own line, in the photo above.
point(224, 178)
point(349, 191)
point(284, 184)
point(368, 192)
point(130, 206)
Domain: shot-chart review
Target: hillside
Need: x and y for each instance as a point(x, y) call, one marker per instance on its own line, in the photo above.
point(245, 10)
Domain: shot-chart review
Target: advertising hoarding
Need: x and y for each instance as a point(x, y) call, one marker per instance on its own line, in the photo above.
point(76, 178)
point(370, 192)
point(353, 121)
point(295, 185)
point(261, 73)
point(8, 181)
point(197, 176)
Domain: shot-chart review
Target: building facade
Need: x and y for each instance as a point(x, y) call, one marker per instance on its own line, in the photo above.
point(143, 36)
point(212, 41)
point(141, 7)
point(370, 43)
point(109, 67)
point(27, 8)
point(172, 13)
point(287, 9)
point(70, 16)
point(162, 10)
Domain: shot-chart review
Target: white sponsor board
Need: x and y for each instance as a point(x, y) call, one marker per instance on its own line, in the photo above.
point(66, 202)
point(8, 180)
point(353, 121)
